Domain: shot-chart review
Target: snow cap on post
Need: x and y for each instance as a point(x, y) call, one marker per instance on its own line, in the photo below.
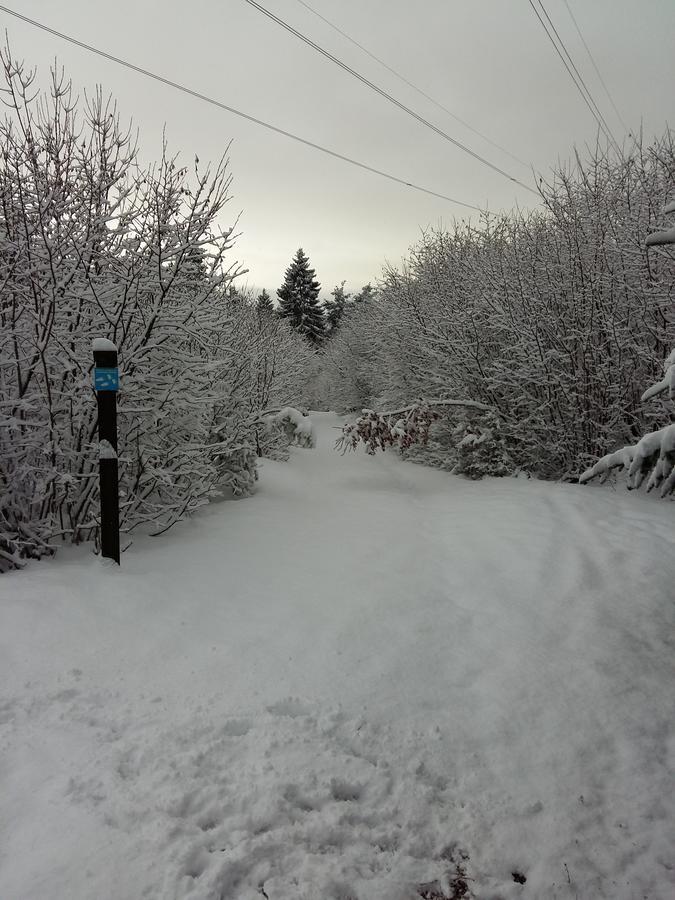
point(103, 345)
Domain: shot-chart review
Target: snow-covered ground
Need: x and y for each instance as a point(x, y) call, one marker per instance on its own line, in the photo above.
point(345, 687)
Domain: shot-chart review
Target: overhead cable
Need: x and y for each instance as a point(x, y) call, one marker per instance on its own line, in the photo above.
point(594, 64)
point(199, 96)
point(578, 74)
point(386, 95)
point(414, 87)
point(585, 96)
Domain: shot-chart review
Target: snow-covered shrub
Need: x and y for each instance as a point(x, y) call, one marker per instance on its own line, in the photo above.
point(473, 447)
point(94, 244)
point(296, 425)
point(440, 449)
point(653, 457)
point(403, 428)
point(480, 448)
point(354, 364)
point(555, 319)
point(272, 366)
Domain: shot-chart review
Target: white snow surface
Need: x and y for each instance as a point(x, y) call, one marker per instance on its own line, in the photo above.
point(329, 690)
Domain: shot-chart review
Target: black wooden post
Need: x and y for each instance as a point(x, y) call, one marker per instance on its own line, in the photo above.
point(106, 385)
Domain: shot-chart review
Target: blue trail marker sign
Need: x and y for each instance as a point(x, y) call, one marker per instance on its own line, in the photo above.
point(106, 379)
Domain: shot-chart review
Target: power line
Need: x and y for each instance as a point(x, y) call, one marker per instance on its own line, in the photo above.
point(579, 75)
point(385, 94)
point(588, 100)
point(422, 93)
point(186, 90)
point(597, 70)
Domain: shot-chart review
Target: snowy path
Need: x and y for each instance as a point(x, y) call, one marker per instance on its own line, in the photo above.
point(339, 688)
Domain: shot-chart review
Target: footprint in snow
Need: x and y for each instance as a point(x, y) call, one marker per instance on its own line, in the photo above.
point(290, 706)
point(236, 728)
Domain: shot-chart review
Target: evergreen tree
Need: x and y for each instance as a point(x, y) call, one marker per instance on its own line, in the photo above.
point(233, 294)
point(264, 302)
point(366, 293)
point(335, 308)
point(299, 300)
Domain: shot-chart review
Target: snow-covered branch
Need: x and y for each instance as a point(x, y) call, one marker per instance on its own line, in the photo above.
point(652, 458)
point(667, 383)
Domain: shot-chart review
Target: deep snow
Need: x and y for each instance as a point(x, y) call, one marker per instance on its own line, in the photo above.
point(343, 685)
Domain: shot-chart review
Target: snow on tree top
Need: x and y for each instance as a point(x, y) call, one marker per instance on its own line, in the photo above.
point(103, 345)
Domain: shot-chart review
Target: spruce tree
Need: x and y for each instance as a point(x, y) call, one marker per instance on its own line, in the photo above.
point(264, 303)
point(299, 300)
point(335, 308)
point(366, 293)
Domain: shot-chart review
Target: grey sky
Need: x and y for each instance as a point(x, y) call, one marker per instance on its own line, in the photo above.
point(489, 62)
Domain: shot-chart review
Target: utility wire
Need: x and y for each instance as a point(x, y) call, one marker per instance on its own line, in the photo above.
point(230, 109)
point(598, 118)
point(422, 93)
point(579, 75)
point(386, 95)
point(597, 70)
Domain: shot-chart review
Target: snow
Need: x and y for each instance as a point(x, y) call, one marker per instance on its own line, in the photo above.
point(106, 450)
point(103, 345)
point(661, 237)
point(303, 430)
point(668, 382)
point(619, 459)
point(340, 687)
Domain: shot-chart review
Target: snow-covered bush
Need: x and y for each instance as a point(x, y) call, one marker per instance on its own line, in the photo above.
point(296, 425)
point(377, 431)
point(94, 244)
point(402, 428)
point(440, 449)
point(354, 366)
point(273, 367)
point(480, 448)
point(554, 319)
point(653, 457)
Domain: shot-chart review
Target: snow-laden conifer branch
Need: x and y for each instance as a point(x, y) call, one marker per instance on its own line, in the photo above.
point(667, 383)
point(652, 458)
point(653, 455)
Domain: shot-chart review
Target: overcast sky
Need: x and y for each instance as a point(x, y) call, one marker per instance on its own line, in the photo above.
point(488, 62)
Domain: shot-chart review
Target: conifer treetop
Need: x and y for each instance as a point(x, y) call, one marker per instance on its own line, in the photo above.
point(299, 299)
